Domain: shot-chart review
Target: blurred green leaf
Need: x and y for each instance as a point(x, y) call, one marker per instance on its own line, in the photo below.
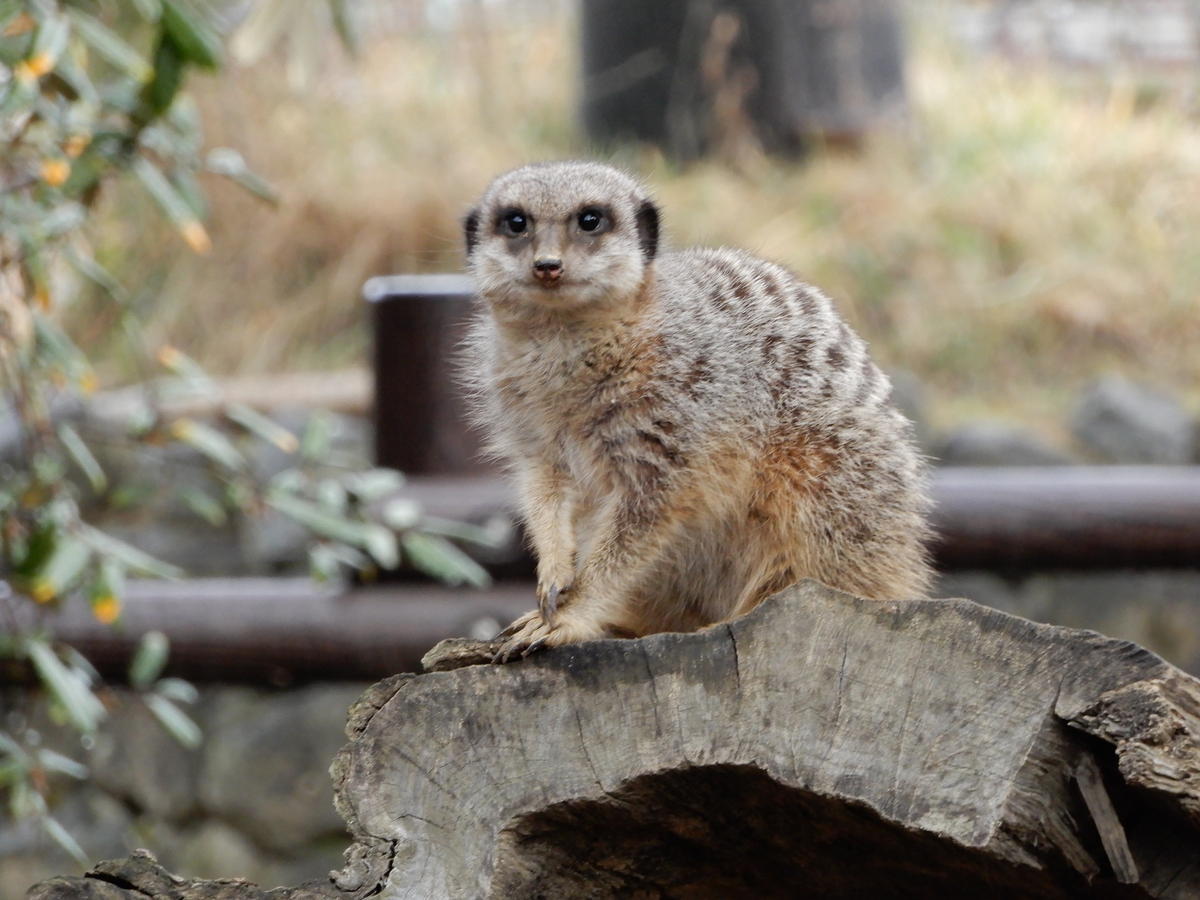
point(318, 436)
point(82, 457)
point(332, 495)
point(10, 747)
point(323, 563)
point(319, 520)
point(24, 801)
point(400, 513)
point(178, 210)
point(160, 91)
point(482, 535)
point(381, 543)
point(149, 660)
point(345, 24)
point(62, 569)
point(131, 557)
point(53, 761)
point(109, 44)
point(50, 39)
point(61, 219)
point(79, 664)
point(36, 550)
point(179, 363)
point(209, 442)
point(86, 171)
point(177, 689)
point(188, 188)
point(263, 427)
point(9, 10)
point(373, 484)
point(228, 162)
point(265, 22)
point(56, 348)
point(176, 722)
point(289, 481)
point(96, 273)
point(196, 39)
point(77, 80)
point(348, 555)
point(19, 96)
point(63, 838)
point(107, 589)
point(205, 506)
point(77, 700)
point(150, 10)
point(441, 559)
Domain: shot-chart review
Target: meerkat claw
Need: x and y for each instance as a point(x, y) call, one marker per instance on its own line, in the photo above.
point(535, 646)
point(510, 630)
point(528, 633)
point(550, 605)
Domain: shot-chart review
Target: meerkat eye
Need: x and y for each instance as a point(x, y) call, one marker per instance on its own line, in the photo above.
point(590, 219)
point(514, 222)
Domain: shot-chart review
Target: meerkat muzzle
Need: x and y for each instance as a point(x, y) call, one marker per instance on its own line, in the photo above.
point(547, 270)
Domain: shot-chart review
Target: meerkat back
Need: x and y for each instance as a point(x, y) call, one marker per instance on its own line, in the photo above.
point(688, 432)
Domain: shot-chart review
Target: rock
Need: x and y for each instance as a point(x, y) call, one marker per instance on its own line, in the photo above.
point(273, 544)
point(996, 444)
point(137, 760)
point(215, 850)
point(1120, 421)
point(199, 549)
point(265, 763)
point(101, 825)
point(1156, 609)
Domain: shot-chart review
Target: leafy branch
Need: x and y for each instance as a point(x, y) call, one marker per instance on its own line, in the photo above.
point(91, 100)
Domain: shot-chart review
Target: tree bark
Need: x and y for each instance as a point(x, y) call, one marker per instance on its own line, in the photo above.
point(823, 745)
point(689, 75)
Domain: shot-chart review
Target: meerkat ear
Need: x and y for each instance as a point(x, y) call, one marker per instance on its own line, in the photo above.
point(647, 226)
point(471, 230)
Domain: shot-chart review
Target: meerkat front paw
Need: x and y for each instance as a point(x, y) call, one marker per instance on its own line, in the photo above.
point(531, 632)
point(554, 584)
point(549, 596)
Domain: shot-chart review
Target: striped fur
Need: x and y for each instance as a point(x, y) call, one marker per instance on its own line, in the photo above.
point(689, 432)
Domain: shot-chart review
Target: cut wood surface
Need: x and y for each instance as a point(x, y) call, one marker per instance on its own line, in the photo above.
point(822, 746)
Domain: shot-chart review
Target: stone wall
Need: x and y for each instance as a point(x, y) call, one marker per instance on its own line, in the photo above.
point(254, 800)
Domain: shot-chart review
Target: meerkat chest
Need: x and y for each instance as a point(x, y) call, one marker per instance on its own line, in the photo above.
point(575, 398)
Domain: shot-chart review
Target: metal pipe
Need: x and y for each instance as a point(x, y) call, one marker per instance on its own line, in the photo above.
point(1013, 519)
point(287, 630)
point(281, 631)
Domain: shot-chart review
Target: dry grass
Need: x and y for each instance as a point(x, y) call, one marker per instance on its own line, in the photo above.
point(1025, 235)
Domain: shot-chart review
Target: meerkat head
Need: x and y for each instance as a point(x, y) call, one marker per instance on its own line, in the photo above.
point(562, 235)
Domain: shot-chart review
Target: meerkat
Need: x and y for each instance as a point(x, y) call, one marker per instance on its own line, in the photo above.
point(689, 432)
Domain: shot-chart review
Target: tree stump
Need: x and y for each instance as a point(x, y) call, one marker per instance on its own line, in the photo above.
point(823, 745)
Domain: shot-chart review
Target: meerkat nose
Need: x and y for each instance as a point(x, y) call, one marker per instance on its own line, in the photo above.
point(547, 269)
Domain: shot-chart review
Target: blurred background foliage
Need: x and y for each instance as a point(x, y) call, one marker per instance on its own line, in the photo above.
point(97, 139)
point(1026, 230)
